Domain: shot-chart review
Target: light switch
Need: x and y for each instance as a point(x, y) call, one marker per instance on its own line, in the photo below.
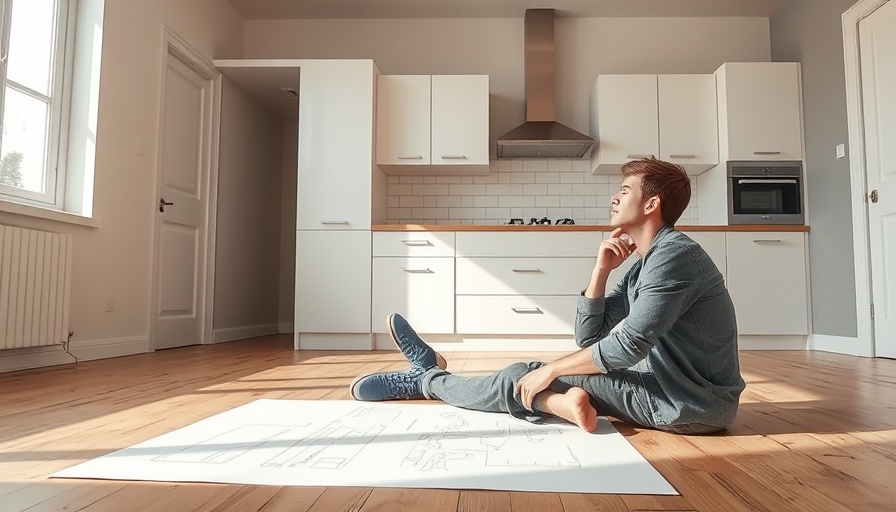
point(841, 151)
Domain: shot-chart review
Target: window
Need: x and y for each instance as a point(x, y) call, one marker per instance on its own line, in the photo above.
point(50, 52)
point(32, 53)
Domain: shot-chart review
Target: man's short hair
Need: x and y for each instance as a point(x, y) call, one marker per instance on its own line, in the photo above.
point(665, 180)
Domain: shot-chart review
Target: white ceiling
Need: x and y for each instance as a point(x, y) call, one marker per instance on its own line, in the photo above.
point(295, 9)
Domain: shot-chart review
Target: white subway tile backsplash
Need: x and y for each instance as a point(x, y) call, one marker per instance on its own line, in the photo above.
point(547, 201)
point(523, 189)
point(535, 190)
point(559, 190)
point(485, 201)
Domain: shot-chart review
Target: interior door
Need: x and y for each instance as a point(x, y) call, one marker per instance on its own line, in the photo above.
point(877, 41)
point(181, 243)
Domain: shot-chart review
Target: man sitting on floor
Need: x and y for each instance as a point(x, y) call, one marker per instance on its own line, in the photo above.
point(671, 362)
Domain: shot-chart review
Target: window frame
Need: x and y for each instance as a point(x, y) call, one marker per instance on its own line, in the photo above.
point(59, 104)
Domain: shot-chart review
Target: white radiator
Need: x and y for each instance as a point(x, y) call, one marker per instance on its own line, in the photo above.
point(35, 276)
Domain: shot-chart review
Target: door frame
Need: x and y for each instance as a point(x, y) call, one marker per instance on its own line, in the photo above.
point(858, 172)
point(177, 47)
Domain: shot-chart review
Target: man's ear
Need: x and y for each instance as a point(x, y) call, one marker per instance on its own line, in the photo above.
point(652, 204)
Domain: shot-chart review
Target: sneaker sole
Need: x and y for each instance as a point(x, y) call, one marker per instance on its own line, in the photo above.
point(440, 361)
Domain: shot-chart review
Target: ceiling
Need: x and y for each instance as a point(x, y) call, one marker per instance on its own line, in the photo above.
point(321, 9)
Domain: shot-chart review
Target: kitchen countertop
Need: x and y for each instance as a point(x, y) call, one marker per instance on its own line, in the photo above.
point(577, 227)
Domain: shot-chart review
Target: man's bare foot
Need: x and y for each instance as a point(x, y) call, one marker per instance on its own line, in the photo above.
point(573, 406)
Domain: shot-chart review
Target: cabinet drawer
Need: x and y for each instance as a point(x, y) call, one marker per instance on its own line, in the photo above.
point(413, 243)
point(510, 314)
point(420, 289)
point(523, 276)
point(529, 244)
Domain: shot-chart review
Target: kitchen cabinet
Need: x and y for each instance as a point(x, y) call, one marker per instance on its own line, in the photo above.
point(767, 282)
point(760, 111)
point(333, 281)
point(521, 283)
point(336, 170)
point(432, 124)
point(413, 274)
point(671, 117)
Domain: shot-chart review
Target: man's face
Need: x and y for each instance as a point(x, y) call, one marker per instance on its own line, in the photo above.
point(627, 205)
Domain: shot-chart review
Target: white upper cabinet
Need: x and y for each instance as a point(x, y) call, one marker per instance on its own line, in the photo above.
point(760, 115)
point(672, 117)
point(403, 119)
point(688, 121)
point(624, 120)
point(336, 106)
point(432, 125)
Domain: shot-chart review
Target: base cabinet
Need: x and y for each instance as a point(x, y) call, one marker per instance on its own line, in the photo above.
point(333, 281)
point(767, 282)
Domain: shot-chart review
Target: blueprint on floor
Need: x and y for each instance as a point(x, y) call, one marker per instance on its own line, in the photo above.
point(385, 444)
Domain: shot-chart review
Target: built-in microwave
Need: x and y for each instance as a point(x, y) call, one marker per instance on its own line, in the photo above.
point(765, 192)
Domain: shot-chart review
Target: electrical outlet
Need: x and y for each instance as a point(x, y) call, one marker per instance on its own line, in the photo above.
point(110, 304)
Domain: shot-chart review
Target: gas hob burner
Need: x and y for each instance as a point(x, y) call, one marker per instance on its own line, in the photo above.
point(544, 221)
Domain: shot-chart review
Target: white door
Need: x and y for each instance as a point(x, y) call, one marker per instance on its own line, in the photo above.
point(877, 40)
point(182, 226)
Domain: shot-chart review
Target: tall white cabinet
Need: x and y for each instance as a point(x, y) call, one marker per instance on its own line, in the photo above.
point(337, 184)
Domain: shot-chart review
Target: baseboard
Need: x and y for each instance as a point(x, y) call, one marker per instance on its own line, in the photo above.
point(53, 355)
point(334, 341)
point(286, 328)
point(841, 345)
point(242, 333)
point(776, 342)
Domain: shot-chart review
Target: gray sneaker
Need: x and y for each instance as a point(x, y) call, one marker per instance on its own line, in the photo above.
point(411, 345)
point(375, 387)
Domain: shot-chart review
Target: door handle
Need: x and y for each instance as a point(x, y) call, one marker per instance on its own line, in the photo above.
point(163, 204)
point(874, 196)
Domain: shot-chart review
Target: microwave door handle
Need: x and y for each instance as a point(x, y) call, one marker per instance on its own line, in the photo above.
point(760, 182)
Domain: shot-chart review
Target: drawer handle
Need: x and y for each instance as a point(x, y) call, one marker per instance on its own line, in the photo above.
point(528, 311)
point(418, 271)
point(528, 270)
point(766, 152)
point(410, 157)
point(417, 243)
point(334, 222)
point(682, 156)
point(454, 157)
point(638, 157)
point(768, 241)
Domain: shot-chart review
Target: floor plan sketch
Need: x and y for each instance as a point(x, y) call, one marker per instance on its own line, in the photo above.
point(385, 444)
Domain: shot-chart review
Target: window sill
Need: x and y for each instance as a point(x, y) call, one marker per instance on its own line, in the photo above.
point(48, 214)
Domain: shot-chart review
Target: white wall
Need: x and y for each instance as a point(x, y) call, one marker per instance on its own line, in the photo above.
point(114, 260)
point(247, 255)
point(585, 47)
point(810, 31)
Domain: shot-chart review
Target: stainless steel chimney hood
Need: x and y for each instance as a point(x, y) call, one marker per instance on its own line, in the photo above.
point(541, 136)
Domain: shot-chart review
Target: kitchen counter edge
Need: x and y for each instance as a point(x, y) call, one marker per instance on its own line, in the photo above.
point(579, 227)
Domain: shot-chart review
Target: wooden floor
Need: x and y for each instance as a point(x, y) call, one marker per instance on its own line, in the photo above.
point(815, 432)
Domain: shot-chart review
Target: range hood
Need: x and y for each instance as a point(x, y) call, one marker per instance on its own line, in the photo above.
point(541, 136)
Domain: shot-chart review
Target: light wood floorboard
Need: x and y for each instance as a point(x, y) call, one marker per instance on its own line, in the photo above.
point(815, 432)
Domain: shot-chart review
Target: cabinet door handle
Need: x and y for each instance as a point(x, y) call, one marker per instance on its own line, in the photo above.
point(328, 222)
point(767, 241)
point(528, 270)
point(638, 157)
point(454, 157)
point(416, 243)
point(418, 271)
point(410, 157)
point(528, 311)
point(766, 152)
point(682, 156)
